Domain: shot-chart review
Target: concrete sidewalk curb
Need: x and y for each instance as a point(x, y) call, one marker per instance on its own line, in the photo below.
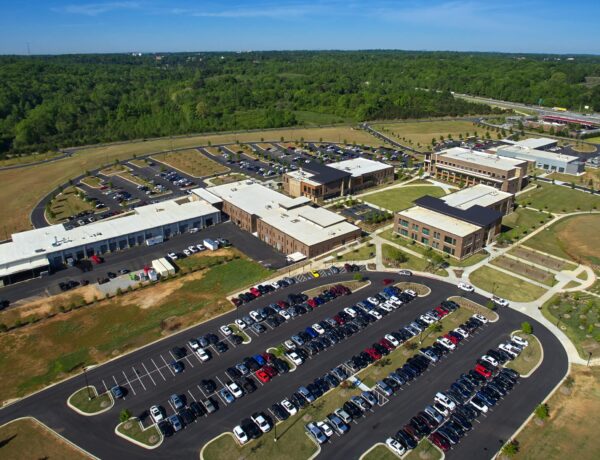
point(133, 441)
point(90, 414)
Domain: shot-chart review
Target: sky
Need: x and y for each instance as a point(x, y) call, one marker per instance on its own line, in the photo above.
point(98, 26)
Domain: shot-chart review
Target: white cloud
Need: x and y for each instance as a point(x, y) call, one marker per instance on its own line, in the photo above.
point(94, 9)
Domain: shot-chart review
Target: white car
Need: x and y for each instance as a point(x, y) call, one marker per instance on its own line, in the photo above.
point(350, 311)
point(156, 414)
point(392, 304)
point(373, 300)
point(255, 316)
point(241, 324)
point(226, 330)
point(289, 407)
point(390, 338)
point(289, 345)
point(411, 293)
point(444, 401)
point(318, 328)
point(375, 314)
point(463, 333)
point(275, 285)
point(187, 252)
point(193, 249)
point(405, 273)
point(386, 307)
point(396, 301)
point(172, 256)
point(262, 422)
point(200, 247)
point(240, 435)
point(520, 340)
point(325, 428)
point(427, 319)
point(465, 287)
point(285, 314)
point(235, 389)
point(489, 359)
point(500, 301)
point(480, 407)
point(446, 343)
point(203, 355)
point(194, 344)
point(512, 351)
point(295, 358)
point(395, 446)
point(481, 318)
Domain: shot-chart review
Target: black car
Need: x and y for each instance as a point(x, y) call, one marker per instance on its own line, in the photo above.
point(166, 428)
point(179, 352)
point(212, 338)
point(298, 400)
point(251, 364)
point(405, 439)
point(281, 365)
point(420, 426)
point(354, 411)
point(248, 385)
point(250, 428)
point(331, 380)
point(221, 347)
point(279, 412)
point(236, 339)
point(186, 415)
point(208, 385)
point(233, 373)
point(111, 275)
point(197, 408)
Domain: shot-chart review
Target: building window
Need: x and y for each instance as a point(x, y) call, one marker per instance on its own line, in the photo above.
point(424, 240)
point(425, 231)
point(403, 232)
point(415, 227)
point(448, 250)
point(450, 240)
point(404, 223)
point(436, 235)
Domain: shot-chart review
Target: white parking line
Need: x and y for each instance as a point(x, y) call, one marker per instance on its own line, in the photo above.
point(257, 379)
point(129, 383)
point(104, 383)
point(202, 391)
point(149, 374)
point(137, 374)
point(158, 369)
point(188, 360)
point(167, 365)
point(193, 397)
point(172, 407)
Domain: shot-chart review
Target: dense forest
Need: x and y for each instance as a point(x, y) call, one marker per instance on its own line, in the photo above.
point(47, 102)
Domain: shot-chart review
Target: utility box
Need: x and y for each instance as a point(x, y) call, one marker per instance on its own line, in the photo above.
point(211, 244)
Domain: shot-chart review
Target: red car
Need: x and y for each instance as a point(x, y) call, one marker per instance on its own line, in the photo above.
point(440, 441)
point(283, 304)
point(441, 311)
point(452, 339)
point(386, 344)
point(262, 375)
point(312, 303)
point(483, 371)
point(270, 370)
point(268, 357)
point(237, 302)
point(339, 319)
point(373, 353)
point(387, 281)
point(255, 292)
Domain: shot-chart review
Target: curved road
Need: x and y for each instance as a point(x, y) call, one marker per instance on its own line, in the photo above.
point(96, 434)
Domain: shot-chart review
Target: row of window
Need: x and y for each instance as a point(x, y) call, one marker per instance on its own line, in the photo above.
point(467, 168)
point(424, 231)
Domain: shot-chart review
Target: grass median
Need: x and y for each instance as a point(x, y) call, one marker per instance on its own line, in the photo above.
point(292, 442)
point(57, 347)
point(88, 401)
point(27, 438)
point(353, 285)
point(380, 452)
point(132, 428)
point(504, 285)
point(402, 197)
point(529, 358)
point(425, 450)
point(363, 253)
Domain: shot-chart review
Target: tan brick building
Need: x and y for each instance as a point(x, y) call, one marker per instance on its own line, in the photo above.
point(469, 167)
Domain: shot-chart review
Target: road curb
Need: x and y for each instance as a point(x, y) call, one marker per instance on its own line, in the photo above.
point(539, 363)
point(90, 414)
point(137, 443)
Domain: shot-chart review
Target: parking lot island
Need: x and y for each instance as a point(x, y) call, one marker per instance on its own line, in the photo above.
point(134, 431)
point(87, 401)
point(530, 358)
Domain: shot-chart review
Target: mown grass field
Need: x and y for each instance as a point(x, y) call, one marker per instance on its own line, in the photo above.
point(521, 267)
point(362, 253)
point(55, 348)
point(68, 203)
point(401, 198)
point(529, 357)
point(557, 198)
point(521, 222)
point(415, 133)
point(389, 254)
point(504, 285)
point(576, 238)
point(192, 162)
point(24, 188)
point(590, 177)
point(571, 431)
point(28, 159)
point(29, 439)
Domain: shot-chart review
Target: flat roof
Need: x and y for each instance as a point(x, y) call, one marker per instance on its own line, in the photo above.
point(435, 219)
point(322, 173)
point(360, 166)
point(536, 142)
point(207, 196)
point(480, 194)
point(480, 158)
point(527, 153)
point(38, 243)
point(292, 216)
point(303, 176)
point(476, 214)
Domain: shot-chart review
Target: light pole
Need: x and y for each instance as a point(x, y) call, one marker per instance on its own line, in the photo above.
point(275, 430)
point(90, 396)
point(589, 358)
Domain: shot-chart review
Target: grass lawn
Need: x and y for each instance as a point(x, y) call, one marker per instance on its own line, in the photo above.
point(27, 159)
point(93, 181)
point(542, 259)
point(521, 222)
point(505, 286)
point(292, 443)
point(576, 238)
point(401, 198)
point(66, 204)
point(557, 198)
point(471, 260)
point(380, 452)
point(571, 430)
point(114, 169)
point(362, 253)
point(415, 133)
point(137, 180)
point(353, 285)
point(521, 267)
point(55, 348)
point(140, 163)
point(578, 316)
point(412, 262)
point(228, 178)
point(584, 148)
point(529, 357)
point(206, 259)
point(192, 162)
point(308, 118)
point(424, 450)
point(81, 400)
point(398, 357)
point(591, 176)
point(594, 140)
point(30, 439)
point(132, 428)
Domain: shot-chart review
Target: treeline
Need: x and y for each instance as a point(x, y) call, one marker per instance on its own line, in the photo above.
point(47, 102)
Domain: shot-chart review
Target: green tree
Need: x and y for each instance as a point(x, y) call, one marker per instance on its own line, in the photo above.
point(526, 328)
point(542, 412)
point(511, 448)
point(124, 415)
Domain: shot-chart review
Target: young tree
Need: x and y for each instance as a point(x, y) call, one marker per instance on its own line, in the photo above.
point(526, 328)
point(542, 412)
point(124, 415)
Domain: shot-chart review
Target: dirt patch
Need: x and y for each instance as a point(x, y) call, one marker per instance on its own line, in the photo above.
point(160, 292)
point(581, 239)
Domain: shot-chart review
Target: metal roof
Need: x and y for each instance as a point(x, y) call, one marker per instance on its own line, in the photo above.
point(477, 215)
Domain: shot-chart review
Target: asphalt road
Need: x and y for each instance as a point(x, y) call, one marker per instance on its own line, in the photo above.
point(137, 257)
point(155, 384)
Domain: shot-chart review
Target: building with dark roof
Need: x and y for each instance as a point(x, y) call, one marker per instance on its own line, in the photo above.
point(459, 224)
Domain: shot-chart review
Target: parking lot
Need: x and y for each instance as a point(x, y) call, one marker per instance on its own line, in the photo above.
point(148, 376)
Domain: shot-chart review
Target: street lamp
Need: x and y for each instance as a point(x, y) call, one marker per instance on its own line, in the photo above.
point(275, 430)
point(90, 396)
point(589, 358)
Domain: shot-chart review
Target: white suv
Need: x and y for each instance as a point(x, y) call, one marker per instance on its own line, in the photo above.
point(444, 401)
point(235, 389)
point(465, 287)
point(261, 421)
point(156, 414)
